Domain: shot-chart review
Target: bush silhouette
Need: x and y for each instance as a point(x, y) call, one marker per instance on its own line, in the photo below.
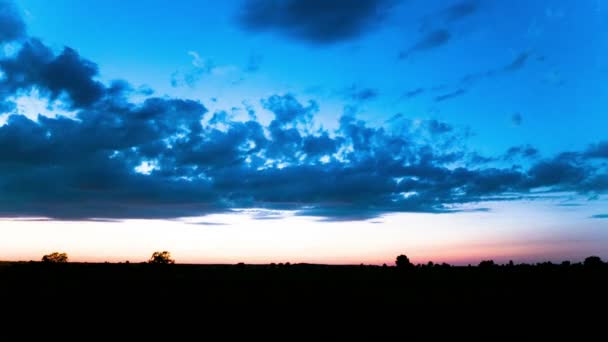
point(593, 261)
point(55, 258)
point(163, 258)
point(403, 262)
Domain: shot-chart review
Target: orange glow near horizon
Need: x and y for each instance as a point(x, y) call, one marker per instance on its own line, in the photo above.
point(230, 238)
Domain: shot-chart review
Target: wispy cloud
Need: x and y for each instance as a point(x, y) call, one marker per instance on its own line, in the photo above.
point(450, 95)
point(431, 40)
point(199, 68)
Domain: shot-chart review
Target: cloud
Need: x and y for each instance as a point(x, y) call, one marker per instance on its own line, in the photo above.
point(206, 223)
point(471, 79)
point(200, 67)
point(517, 119)
point(517, 63)
point(12, 26)
point(599, 150)
point(314, 21)
point(431, 40)
point(438, 127)
point(449, 16)
point(365, 94)
point(438, 25)
point(459, 11)
point(355, 93)
point(35, 65)
point(514, 65)
point(287, 109)
point(450, 95)
point(86, 167)
point(165, 157)
point(192, 76)
point(600, 216)
point(189, 78)
point(565, 170)
point(413, 93)
point(525, 151)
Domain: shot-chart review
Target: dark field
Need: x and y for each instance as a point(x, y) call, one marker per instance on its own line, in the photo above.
point(312, 300)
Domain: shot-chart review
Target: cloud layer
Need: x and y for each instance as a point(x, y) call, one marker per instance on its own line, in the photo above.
point(170, 157)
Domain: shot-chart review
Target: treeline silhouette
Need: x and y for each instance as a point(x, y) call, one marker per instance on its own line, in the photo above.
point(295, 300)
point(402, 262)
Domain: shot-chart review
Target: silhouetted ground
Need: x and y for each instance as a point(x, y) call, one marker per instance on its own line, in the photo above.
point(308, 300)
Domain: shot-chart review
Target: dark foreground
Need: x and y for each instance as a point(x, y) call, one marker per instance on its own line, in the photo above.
point(308, 300)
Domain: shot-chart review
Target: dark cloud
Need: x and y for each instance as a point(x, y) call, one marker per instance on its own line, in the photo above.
point(459, 11)
point(450, 95)
point(12, 26)
point(449, 15)
point(438, 127)
point(64, 74)
point(600, 216)
point(365, 94)
point(287, 109)
point(315, 21)
point(355, 93)
point(413, 93)
point(144, 90)
point(320, 145)
point(436, 26)
point(517, 119)
point(431, 40)
point(475, 158)
point(565, 171)
point(517, 63)
point(525, 151)
point(599, 150)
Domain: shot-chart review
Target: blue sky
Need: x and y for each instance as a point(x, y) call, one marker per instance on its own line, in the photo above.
point(334, 111)
point(146, 42)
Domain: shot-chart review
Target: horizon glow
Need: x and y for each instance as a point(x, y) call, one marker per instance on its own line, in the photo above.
point(459, 239)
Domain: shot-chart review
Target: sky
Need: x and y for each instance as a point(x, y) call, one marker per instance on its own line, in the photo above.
point(317, 131)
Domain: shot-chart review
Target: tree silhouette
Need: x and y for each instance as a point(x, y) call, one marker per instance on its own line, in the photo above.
point(55, 258)
point(593, 261)
point(403, 262)
point(163, 258)
point(487, 264)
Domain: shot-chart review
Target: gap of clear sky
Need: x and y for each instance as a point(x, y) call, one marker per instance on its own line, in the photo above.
point(304, 130)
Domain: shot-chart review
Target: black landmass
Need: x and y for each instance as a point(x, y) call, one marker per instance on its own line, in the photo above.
point(293, 301)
